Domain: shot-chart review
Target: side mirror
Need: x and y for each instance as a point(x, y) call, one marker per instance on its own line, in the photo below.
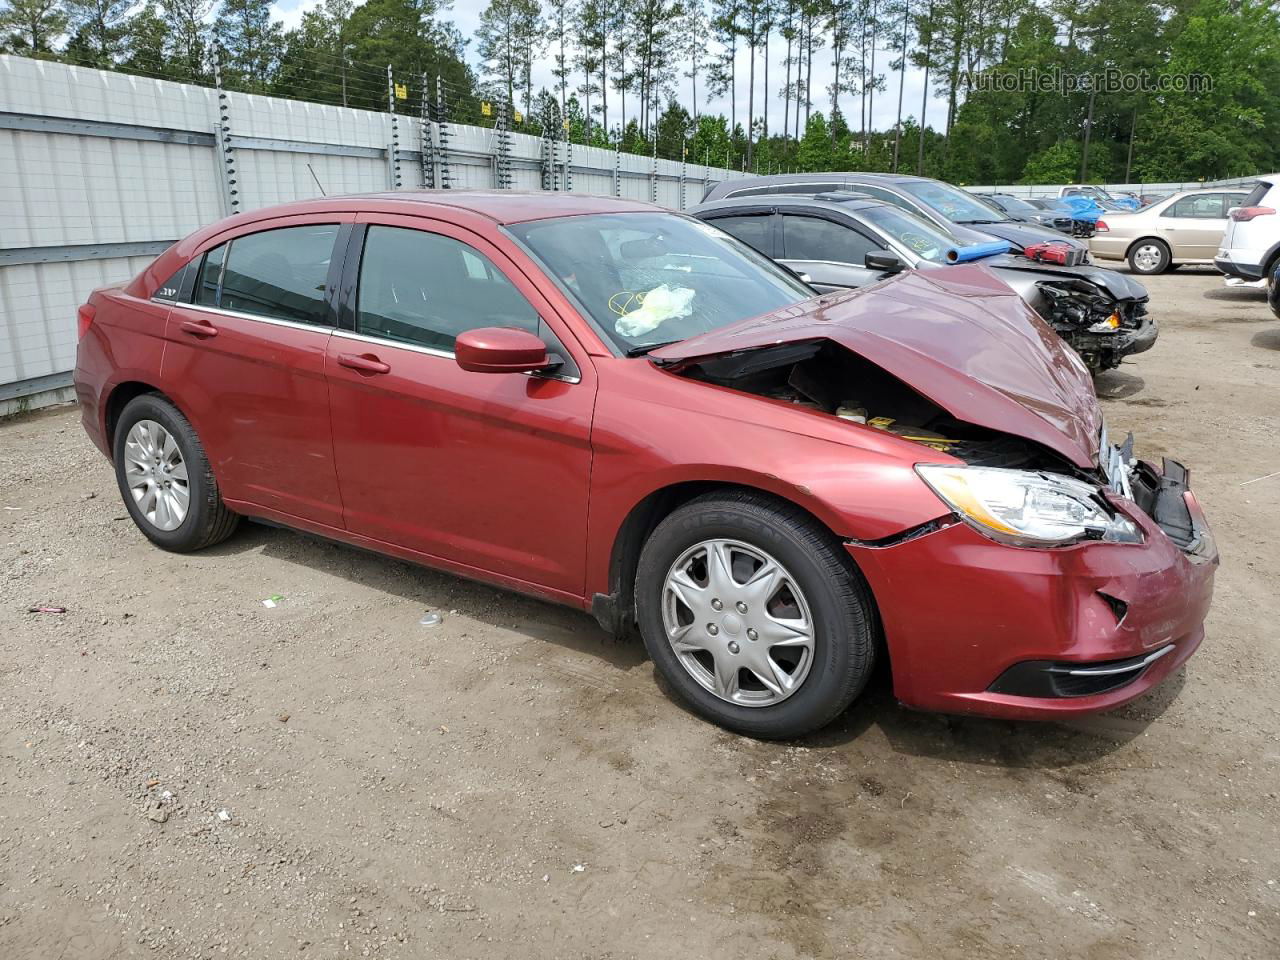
point(501, 350)
point(883, 262)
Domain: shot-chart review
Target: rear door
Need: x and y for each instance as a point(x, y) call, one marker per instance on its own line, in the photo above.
point(486, 472)
point(1194, 225)
point(832, 254)
point(754, 226)
point(246, 356)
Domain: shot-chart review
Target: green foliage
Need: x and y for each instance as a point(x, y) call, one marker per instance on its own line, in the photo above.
point(602, 51)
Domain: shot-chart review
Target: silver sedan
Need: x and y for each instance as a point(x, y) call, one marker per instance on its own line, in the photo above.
point(1184, 228)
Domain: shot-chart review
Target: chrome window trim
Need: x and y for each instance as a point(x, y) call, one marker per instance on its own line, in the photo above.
point(434, 352)
point(277, 321)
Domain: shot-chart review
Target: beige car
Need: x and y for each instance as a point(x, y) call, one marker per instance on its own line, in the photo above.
point(1184, 228)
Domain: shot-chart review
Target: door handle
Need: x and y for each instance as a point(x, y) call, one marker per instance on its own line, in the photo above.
point(199, 328)
point(366, 363)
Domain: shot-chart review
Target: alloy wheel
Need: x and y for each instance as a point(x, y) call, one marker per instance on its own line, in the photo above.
point(738, 622)
point(156, 475)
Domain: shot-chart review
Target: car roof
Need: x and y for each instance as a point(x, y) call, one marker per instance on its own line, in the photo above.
point(849, 201)
point(499, 206)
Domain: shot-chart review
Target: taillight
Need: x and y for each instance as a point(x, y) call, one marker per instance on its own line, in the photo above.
point(84, 318)
point(1101, 226)
point(1243, 214)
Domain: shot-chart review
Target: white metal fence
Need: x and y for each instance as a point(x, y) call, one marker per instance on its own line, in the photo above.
point(100, 171)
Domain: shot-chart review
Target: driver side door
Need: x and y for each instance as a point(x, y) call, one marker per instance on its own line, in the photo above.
point(478, 472)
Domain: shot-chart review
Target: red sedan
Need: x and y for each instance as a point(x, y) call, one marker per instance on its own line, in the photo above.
point(625, 410)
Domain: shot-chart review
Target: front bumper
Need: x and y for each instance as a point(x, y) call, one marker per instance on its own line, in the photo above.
point(961, 611)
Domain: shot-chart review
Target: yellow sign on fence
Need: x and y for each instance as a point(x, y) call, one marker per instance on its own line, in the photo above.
point(402, 92)
point(486, 108)
point(518, 117)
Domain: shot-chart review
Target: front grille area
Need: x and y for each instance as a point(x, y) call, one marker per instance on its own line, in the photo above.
point(1058, 679)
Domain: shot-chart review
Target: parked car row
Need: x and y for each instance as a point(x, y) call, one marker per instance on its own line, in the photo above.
point(632, 412)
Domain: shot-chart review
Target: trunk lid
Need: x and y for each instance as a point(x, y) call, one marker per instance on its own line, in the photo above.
point(959, 336)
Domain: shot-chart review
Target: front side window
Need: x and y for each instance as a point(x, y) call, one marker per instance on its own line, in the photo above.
point(751, 230)
point(279, 273)
point(424, 289)
point(811, 238)
point(924, 239)
point(650, 278)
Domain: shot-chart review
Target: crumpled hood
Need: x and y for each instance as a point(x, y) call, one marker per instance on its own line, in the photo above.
point(959, 336)
point(1119, 285)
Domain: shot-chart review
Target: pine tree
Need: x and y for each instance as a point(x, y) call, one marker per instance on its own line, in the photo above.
point(251, 44)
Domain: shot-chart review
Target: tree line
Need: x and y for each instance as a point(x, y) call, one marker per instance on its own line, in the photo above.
point(635, 74)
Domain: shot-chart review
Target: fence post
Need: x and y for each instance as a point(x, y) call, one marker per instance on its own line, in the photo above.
point(684, 165)
point(393, 148)
point(653, 171)
point(428, 141)
point(617, 171)
point(567, 179)
point(445, 177)
point(222, 138)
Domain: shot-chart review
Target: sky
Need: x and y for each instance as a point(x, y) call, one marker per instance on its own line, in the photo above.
point(466, 15)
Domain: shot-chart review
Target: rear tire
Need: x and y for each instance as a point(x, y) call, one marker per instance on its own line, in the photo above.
point(165, 479)
point(812, 638)
point(1149, 257)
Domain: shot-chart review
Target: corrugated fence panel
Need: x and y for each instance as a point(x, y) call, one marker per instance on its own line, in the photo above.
point(39, 302)
point(92, 158)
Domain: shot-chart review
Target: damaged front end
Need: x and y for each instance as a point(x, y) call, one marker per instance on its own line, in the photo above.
point(825, 377)
point(1100, 328)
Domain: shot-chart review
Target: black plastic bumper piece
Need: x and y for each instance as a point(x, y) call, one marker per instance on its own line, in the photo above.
point(1054, 679)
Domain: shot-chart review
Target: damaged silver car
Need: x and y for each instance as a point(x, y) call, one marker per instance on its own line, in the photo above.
point(845, 240)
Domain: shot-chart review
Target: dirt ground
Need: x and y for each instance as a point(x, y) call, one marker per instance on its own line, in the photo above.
point(508, 784)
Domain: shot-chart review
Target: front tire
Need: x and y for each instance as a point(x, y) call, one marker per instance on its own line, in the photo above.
point(165, 479)
point(754, 616)
point(1149, 257)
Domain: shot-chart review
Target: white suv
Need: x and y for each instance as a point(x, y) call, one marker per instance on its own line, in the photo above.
point(1251, 245)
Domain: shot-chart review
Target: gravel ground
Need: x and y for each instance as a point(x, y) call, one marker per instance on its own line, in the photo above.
point(187, 773)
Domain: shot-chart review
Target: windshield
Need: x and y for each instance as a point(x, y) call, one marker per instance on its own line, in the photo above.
point(952, 202)
point(652, 278)
point(925, 240)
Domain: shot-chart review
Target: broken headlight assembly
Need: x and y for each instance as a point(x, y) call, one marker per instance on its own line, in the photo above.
point(1027, 508)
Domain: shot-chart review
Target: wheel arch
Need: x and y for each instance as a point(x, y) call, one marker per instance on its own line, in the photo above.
point(615, 610)
point(118, 398)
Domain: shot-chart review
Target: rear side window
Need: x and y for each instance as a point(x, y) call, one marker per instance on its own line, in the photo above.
point(809, 238)
point(425, 289)
point(1206, 206)
point(172, 289)
point(751, 230)
point(280, 273)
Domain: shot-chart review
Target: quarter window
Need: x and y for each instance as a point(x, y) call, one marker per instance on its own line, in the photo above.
point(210, 278)
point(751, 230)
point(809, 238)
point(425, 289)
point(279, 273)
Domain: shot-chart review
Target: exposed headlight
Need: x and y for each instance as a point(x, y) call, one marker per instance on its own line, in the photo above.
point(1026, 508)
